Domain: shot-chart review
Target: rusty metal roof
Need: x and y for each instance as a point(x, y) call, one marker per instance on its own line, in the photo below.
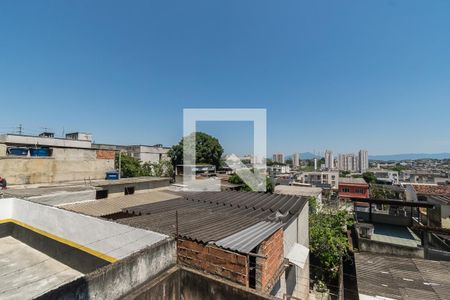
point(210, 217)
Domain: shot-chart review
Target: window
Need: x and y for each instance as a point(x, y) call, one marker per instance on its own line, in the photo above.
point(360, 191)
point(345, 190)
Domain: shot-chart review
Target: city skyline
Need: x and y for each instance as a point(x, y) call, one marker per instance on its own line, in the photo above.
point(123, 80)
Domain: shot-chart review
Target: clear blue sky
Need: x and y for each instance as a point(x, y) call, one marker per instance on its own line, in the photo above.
point(344, 75)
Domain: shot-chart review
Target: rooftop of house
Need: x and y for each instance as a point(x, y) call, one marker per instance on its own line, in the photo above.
point(391, 277)
point(109, 206)
point(397, 235)
point(44, 247)
point(306, 191)
point(424, 189)
point(351, 180)
point(237, 221)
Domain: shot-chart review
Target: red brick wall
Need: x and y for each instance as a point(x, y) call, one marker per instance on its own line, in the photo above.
point(217, 261)
point(105, 154)
point(269, 268)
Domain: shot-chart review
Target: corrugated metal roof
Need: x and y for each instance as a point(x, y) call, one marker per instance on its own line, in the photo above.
point(402, 278)
point(103, 207)
point(247, 239)
point(210, 217)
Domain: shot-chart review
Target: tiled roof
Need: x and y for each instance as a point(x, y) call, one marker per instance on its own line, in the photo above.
point(212, 216)
point(351, 180)
point(442, 190)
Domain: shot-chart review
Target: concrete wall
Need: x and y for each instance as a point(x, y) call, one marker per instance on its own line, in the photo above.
point(366, 245)
point(65, 164)
point(384, 219)
point(445, 216)
point(15, 139)
point(295, 280)
point(118, 279)
point(186, 284)
point(64, 197)
point(107, 238)
point(116, 189)
point(3, 150)
point(5, 208)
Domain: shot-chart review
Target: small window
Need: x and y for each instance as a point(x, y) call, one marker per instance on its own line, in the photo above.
point(129, 190)
point(359, 191)
point(346, 190)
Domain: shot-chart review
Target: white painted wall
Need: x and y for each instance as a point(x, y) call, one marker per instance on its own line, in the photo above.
point(5, 208)
point(107, 237)
point(42, 141)
point(295, 281)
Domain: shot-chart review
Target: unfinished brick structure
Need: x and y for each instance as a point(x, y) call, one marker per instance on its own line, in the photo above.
point(235, 266)
point(270, 264)
point(238, 236)
point(230, 265)
point(105, 154)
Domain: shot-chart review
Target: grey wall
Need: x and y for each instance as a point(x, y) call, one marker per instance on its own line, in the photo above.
point(384, 219)
point(118, 279)
point(191, 285)
point(390, 249)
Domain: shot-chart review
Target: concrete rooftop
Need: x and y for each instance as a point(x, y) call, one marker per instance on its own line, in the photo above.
point(397, 235)
point(26, 272)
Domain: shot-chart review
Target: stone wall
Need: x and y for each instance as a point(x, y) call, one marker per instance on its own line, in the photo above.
point(217, 261)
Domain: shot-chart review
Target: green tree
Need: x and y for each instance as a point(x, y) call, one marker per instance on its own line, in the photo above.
point(130, 166)
point(269, 162)
point(328, 239)
point(369, 177)
point(207, 150)
point(163, 168)
point(398, 167)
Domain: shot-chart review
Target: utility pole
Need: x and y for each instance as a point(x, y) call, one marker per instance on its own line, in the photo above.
point(120, 163)
point(20, 128)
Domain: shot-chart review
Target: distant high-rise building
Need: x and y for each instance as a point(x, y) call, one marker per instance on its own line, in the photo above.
point(354, 163)
point(278, 158)
point(295, 160)
point(347, 162)
point(329, 160)
point(363, 160)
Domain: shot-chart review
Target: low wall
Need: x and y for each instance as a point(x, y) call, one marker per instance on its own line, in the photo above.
point(118, 279)
point(116, 189)
point(366, 245)
point(384, 219)
point(64, 197)
point(435, 254)
point(108, 240)
point(187, 284)
point(73, 257)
